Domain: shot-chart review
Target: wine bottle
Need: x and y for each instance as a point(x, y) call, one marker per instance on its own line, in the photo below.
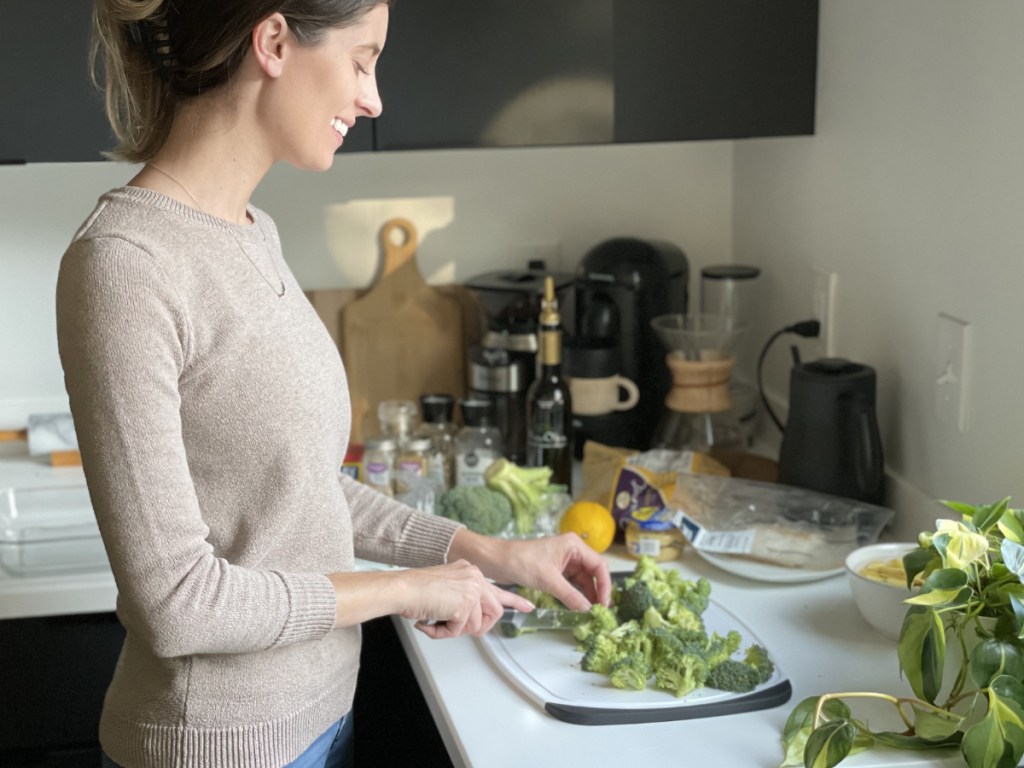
point(548, 403)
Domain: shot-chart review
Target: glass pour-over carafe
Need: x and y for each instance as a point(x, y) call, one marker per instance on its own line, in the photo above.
point(699, 415)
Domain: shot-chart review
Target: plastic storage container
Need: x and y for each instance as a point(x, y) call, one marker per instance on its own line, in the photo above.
point(49, 530)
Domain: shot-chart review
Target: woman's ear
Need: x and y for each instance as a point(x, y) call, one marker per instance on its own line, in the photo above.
point(270, 39)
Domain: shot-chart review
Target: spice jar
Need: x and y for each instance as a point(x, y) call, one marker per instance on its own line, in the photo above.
point(650, 532)
point(378, 463)
point(414, 455)
point(397, 419)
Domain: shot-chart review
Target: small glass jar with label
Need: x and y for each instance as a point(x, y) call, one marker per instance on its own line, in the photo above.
point(414, 456)
point(651, 532)
point(398, 419)
point(478, 443)
point(379, 462)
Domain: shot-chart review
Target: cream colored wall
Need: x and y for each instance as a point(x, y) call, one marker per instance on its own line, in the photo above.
point(477, 210)
point(912, 190)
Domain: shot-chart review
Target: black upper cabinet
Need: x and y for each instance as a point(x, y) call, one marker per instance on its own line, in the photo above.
point(714, 69)
point(49, 109)
point(472, 73)
point(484, 73)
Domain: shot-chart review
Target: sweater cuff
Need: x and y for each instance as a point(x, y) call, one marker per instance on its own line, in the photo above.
point(312, 607)
point(428, 540)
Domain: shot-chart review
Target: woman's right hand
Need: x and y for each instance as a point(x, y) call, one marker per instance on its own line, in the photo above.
point(455, 599)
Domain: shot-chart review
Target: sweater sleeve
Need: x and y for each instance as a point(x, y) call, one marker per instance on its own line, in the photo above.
point(387, 531)
point(124, 341)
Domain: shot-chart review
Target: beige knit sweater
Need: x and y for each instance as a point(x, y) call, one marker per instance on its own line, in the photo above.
point(213, 417)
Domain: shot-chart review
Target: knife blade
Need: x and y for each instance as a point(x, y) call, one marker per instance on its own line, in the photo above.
point(514, 623)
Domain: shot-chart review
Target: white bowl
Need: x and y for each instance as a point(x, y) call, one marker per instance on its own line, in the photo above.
point(879, 603)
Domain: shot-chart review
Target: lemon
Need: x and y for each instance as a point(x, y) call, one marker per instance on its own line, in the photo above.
point(592, 522)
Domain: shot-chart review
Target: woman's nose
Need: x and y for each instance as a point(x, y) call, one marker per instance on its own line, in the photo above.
point(369, 98)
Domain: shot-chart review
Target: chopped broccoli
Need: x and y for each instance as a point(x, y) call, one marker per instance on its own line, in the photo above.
point(757, 657)
point(480, 509)
point(720, 648)
point(602, 652)
point(523, 486)
point(539, 598)
point(602, 619)
point(680, 673)
point(732, 675)
point(631, 671)
point(634, 601)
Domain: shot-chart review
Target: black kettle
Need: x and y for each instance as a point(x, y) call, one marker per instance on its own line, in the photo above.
point(831, 442)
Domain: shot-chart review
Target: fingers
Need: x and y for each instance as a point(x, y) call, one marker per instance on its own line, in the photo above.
point(513, 600)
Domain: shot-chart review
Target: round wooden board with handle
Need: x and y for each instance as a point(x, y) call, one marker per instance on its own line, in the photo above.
point(403, 338)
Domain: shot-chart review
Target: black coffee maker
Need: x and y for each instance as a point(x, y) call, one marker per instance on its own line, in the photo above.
point(622, 284)
point(831, 442)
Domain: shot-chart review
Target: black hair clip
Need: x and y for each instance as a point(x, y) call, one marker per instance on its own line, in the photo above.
point(155, 40)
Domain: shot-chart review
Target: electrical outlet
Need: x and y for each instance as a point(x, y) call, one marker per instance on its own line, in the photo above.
point(823, 309)
point(950, 369)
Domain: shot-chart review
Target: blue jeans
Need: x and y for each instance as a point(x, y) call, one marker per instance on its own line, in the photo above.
point(332, 749)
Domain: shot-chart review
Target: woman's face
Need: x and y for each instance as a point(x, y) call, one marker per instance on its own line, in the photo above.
point(325, 87)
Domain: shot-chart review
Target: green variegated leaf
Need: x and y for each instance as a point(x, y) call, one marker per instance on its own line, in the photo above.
point(922, 651)
point(991, 658)
point(1013, 556)
point(802, 715)
point(946, 587)
point(1011, 525)
point(961, 545)
point(829, 744)
point(932, 724)
point(998, 740)
point(918, 561)
point(964, 510)
point(903, 741)
point(986, 517)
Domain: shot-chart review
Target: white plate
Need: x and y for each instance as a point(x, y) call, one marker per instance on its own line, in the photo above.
point(752, 569)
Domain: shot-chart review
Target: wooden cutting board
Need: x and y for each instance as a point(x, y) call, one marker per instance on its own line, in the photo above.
point(403, 338)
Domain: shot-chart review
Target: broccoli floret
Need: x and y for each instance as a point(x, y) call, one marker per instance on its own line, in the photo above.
point(757, 657)
point(634, 601)
point(732, 675)
point(682, 618)
point(480, 509)
point(602, 652)
point(632, 672)
point(602, 619)
point(695, 595)
point(720, 648)
point(524, 487)
point(680, 673)
point(539, 598)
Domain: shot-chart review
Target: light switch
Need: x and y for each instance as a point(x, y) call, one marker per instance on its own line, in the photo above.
point(951, 370)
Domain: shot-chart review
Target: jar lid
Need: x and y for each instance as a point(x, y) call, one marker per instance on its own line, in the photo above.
point(420, 444)
point(477, 411)
point(437, 408)
point(652, 519)
point(379, 444)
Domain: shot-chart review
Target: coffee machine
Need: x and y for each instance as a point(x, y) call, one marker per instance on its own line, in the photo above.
point(622, 284)
point(504, 364)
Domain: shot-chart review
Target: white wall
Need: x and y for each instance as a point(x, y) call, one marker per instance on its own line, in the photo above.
point(477, 210)
point(912, 190)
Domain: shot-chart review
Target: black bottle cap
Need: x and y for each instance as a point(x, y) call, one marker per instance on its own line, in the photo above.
point(477, 411)
point(437, 408)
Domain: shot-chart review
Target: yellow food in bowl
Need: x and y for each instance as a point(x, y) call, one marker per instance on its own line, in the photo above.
point(888, 572)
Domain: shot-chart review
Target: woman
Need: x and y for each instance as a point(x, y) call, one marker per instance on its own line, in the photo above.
point(212, 410)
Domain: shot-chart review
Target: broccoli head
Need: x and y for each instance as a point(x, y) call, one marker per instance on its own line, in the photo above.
point(720, 648)
point(680, 673)
point(602, 651)
point(480, 509)
point(524, 487)
point(634, 601)
point(757, 657)
point(734, 676)
point(602, 619)
point(631, 672)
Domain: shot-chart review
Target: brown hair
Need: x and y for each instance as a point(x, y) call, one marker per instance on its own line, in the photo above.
point(157, 53)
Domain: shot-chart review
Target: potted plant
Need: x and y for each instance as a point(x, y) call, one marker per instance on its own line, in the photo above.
point(969, 616)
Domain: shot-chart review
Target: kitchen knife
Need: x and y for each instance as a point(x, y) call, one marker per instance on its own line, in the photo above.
point(514, 623)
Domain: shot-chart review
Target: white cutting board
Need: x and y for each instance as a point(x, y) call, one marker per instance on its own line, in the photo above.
point(545, 666)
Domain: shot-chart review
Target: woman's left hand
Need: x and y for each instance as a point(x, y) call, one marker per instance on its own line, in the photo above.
point(563, 566)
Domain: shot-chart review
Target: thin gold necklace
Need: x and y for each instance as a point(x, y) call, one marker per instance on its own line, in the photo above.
point(277, 289)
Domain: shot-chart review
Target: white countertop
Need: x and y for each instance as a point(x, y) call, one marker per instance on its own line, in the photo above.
point(813, 630)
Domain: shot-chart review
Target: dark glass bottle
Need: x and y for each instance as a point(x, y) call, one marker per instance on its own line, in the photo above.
point(548, 403)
